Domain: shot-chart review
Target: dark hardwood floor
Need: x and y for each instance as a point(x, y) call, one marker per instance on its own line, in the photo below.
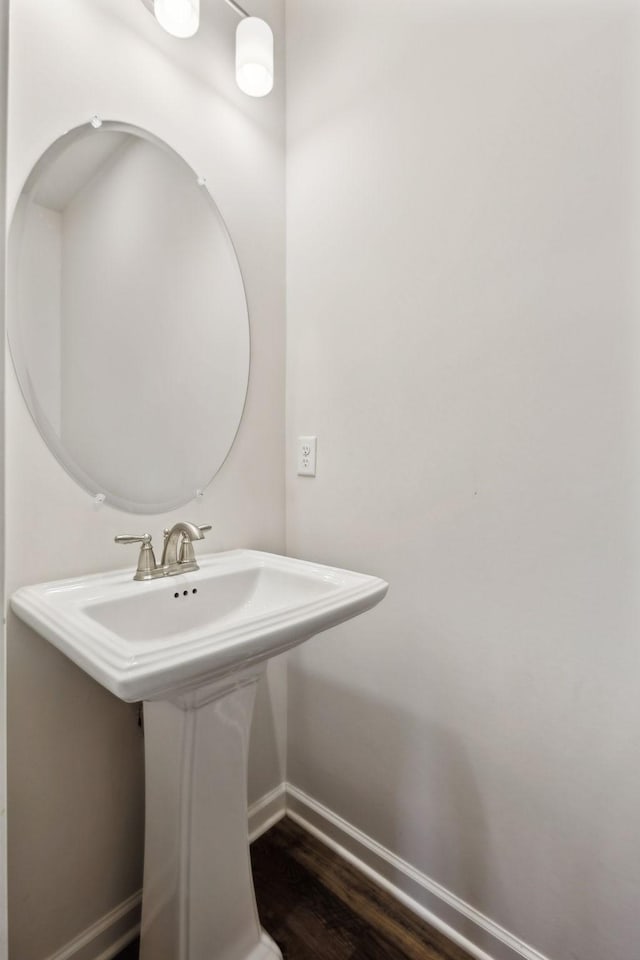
point(131, 953)
point(316, 906)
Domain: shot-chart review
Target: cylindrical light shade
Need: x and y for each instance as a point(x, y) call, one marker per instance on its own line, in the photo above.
point(254, 57)
point(180, 18)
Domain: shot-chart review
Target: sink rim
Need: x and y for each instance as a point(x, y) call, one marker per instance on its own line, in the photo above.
point(56, 610)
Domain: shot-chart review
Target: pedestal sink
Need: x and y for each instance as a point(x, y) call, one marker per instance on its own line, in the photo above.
point(193, 648)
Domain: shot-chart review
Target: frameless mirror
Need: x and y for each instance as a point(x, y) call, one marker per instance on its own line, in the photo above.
point(128, 320)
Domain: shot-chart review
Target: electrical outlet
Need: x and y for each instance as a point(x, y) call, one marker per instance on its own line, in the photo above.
point(307, 452)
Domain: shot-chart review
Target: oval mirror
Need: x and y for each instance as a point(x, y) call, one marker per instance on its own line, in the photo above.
point(127, 317)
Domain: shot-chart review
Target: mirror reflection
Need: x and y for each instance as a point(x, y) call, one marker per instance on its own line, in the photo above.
point(127, 317)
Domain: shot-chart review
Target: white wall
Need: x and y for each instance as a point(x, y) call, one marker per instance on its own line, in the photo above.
point(4, 47)
point(75, 774)
point(462, 336)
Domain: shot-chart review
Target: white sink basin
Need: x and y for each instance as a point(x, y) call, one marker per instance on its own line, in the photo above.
point(149, 640)
point(193, 648)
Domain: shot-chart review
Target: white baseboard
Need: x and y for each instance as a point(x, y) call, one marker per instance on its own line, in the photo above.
point(459, 921)
point(106, 937)
point(266, 811)
point(462, 923)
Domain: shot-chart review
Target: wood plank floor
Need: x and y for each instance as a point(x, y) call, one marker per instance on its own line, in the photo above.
point(316, 906)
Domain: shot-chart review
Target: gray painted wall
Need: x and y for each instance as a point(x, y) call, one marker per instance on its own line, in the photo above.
point(4, 60)
point(463, 338)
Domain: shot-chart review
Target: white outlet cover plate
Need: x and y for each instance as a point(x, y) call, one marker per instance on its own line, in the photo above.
point(307, 453)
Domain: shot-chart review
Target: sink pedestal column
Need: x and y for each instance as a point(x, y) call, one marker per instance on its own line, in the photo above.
point(198, 901)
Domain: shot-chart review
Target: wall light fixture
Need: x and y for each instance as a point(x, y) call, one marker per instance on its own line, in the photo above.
point(254, 40)
point(180, 18)
point(254, 56)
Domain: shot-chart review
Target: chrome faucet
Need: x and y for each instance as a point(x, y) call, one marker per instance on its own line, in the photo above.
point(177, 555)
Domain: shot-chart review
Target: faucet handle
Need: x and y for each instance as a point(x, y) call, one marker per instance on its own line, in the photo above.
point(125, 538)
point(147, 566)
point(205, 528)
